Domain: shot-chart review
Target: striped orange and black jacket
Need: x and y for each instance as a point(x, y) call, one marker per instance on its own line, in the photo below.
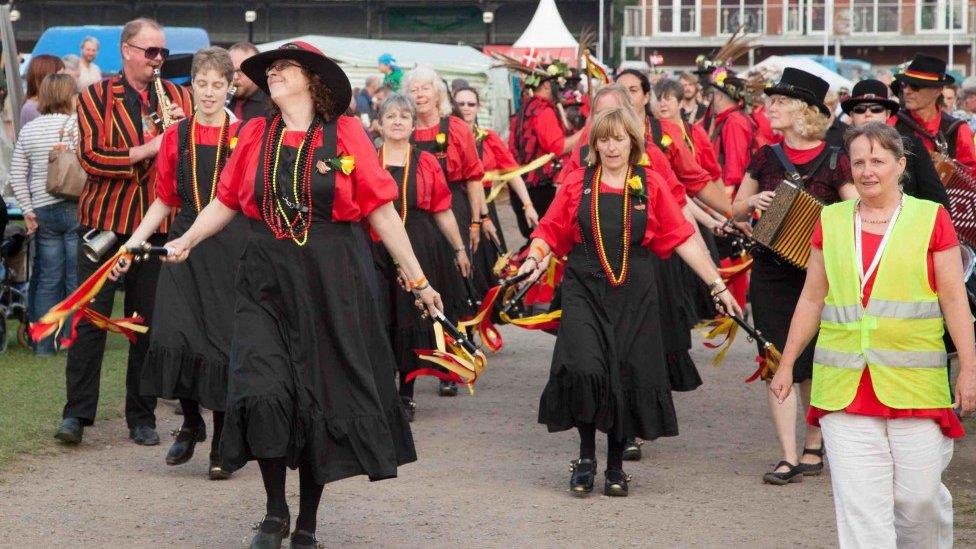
point(117, 193)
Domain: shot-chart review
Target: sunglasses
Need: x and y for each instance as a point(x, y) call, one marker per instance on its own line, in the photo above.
point(467, 104)
point(875, 109)
point(151, 52)
point(280, 65)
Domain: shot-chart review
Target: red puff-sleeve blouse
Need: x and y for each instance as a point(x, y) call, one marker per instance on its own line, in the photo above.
point(686, 168)
point(169, 150)
point(666, 228)
point(657, 163)
point(368, 187)
point(463, 163)
point(495, 154)
point(865, 401)
point(704, 152)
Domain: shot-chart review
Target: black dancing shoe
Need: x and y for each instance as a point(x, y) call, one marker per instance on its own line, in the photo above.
point(70, 431)
point(793, 473)
point(448, 389)
point(632, 449)
point(271, 533)
point(615, 484)
point(812, 469)
point(216, 472)
point(186, 440)
point(409, 407)
point(144, 435)
point(303, 539)
point(584, 473)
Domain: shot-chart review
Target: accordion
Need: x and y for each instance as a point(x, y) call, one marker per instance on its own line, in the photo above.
point(786, 226)
point(960, 185)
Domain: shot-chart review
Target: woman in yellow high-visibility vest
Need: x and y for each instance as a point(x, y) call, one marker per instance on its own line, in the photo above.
point(884, 275)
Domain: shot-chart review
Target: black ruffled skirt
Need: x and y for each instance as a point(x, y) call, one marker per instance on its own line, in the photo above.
point(406, 328)
point(193, 319)
point(608, 363)
point(311, 372)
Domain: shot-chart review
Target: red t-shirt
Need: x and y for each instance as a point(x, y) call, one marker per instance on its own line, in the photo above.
point(169, 150)
point(865, 401)
point(736, 142)
point(433, 194)
point(463, 163)
point(666, 228)
point(366, 188)
point(657, 163)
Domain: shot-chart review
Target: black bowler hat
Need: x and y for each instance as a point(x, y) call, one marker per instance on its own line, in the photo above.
point(809, 88)
point(312, 60)
point(925, 71)
point(869, 91)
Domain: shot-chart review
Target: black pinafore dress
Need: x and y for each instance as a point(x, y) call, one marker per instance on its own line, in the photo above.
point(608, 363)
point(192, 324)
point(312, 375)
point(405, 326)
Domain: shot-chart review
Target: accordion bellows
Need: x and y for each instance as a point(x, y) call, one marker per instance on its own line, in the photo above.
point(960, 185)
point(787, 225)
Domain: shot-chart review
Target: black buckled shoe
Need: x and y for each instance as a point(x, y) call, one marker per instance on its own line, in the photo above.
point(271, 532)
point(303, 539)
point(216, 472)
point(615, 484)
point(144, 435)
point(632, 449)
point(448, 389)
point(409, 407)
point(584, 473)
point(70, 431)
point(812, 469)
point(186, 440)
point(793, 473)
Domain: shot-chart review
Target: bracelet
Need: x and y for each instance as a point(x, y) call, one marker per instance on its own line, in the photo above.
point(416, 284)
point(458, 250)
point(542, 252)
point(421, 288)
point(474, 225)
point(525, 207)
point(714, 284)
point(532, 258)
point(724, 289)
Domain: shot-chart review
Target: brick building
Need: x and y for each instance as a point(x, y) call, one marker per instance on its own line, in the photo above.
point(881, 32)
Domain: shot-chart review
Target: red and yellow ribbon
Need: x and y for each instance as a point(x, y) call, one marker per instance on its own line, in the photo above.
point(716, 328)
point(481, 322)
point(462, 367)
point(544, 321)
point(78, 304)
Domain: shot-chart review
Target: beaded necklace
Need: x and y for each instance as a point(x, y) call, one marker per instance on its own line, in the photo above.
point(218, 162)
point(615, 280)
point(275, 205)
point(403, 184)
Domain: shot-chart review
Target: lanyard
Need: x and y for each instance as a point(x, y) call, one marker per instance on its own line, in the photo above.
point(865, 274)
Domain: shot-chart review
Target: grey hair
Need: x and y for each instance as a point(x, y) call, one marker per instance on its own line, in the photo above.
point(399, 102)
point(135, 26)
point(71, 61)
point(424, 73)
point(373, 79)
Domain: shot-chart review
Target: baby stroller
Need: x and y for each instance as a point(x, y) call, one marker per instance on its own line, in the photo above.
point(14, 275)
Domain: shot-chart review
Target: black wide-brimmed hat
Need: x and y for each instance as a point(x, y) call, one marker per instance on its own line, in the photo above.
point(726, 81)
point(809, 88)
point(312, 60)
point(925, 71)
point(869, 91)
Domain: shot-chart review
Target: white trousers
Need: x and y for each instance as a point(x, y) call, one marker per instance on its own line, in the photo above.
point(887, 481)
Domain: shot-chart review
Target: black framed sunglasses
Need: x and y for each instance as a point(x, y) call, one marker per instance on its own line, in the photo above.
point(280, 65)
point(467, 103)
point(151, 52)
point(875, 109)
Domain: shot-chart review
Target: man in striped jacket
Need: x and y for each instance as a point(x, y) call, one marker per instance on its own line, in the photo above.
point(119, 130)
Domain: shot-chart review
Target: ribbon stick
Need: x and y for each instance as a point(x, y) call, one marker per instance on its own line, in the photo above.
point(481, 322)
point(79, 301)
point(502, 177)
point(768, 360)
point(718, 327)
point(461, 365)
point(544, 321)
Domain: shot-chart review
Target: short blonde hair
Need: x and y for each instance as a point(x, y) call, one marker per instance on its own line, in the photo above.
point(424, 73)
point(616, 90)
point(609, 123)
point(808, 121)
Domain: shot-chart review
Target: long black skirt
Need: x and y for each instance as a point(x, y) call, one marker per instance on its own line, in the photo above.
point(608, 363)
point(677, 285)
point(774, 290)
point(192, 324)
point(312, 375)
point(483, 261)
point(406, 328)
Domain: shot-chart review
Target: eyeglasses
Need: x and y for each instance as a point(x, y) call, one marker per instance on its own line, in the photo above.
point(875, 109)
point(151, 52)
point(280, 65)
point(467, 103)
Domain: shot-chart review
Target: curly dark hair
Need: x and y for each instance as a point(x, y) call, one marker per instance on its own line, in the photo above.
point(321, 97)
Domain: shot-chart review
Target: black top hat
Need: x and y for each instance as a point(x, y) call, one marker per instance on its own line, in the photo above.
point(869, 91)
point(312, 60)
point(925, 71)
point(809, 88)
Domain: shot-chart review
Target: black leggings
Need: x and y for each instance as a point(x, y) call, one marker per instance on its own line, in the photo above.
point(615, 446)
point(273, 472)
point(192, 419)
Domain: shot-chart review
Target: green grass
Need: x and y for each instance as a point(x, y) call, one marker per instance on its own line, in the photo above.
point(32, 395)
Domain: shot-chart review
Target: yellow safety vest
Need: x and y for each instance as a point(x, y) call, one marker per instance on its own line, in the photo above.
point(899, 334)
